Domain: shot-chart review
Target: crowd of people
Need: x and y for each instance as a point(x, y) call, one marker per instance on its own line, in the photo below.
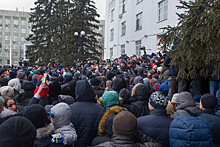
point(133, 101)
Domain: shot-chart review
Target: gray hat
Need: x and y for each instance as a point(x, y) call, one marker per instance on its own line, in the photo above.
point(1, 100)
point(7, 91)
point(138, 79)
point(21, 75)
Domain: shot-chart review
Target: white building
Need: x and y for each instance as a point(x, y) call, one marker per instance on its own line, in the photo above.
point(14, 28)
point(131, 24)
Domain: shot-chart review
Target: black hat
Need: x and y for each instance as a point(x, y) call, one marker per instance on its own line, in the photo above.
point(37, 115)
point(17, 131)
point(209, 101)
point(155, 76)
point(95, 82)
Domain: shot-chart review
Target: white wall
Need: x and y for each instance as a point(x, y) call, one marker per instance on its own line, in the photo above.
point(150, 25)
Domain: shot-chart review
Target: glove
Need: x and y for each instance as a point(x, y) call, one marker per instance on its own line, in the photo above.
point(57, 138)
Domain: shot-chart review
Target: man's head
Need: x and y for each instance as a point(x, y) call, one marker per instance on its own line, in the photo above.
point(158, 100)
point(208, 101)
point(155, 77)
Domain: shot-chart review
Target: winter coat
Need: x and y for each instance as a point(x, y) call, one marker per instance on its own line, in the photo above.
point(62, 115)
point(156, 126)
point(85, 114)
point(43, 137)
point(139, 100)
point(66, 99)
point(164, 74)
point(213, 123)
point(188, 131)
point(129, 141)
point(105, 125)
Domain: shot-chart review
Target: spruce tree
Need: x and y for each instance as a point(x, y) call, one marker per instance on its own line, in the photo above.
point(198, 37)
point(54, 24)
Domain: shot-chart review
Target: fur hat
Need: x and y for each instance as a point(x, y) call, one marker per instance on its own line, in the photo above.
point(124, 123)
point(37, 115)
point(7, 91)
point(209, 101)
point(158, 100)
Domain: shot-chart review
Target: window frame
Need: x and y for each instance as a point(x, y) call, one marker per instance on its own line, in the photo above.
point(139, 18)
point(162, 10)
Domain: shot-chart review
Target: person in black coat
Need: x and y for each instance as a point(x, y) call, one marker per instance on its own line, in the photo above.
point(156, 124)
point(85, 114)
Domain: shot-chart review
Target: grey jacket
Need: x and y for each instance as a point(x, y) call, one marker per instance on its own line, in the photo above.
point(62, 116)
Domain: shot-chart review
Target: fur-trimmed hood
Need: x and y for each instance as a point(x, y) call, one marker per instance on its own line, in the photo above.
point(140, 92)
point(108, 113)
point(45, 131)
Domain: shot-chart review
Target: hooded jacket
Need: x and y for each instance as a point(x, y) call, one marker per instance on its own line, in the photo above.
point(139, 100)
point(85, 114)
point(186, 105)
point(62, 116)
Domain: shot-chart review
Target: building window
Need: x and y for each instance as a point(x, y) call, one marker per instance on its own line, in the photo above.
point(111, 53)
point(23, 30)
point(22, 38)
point(0, 53)
point(23, 22)
point(112, 34)
point(15, 62)
point(15, 46)
point(123, 49)
point(123, 6)
point(7, 62)
point(112, 14)
point(0, 61)
point(7, 37)
point(138, 46)
point(7, 21)
point(7, 29)
point(163, 10)
point(7, 54)
point(0, 45)
point(15, 54)
point(15, 38)
point(139, 21)
point(0, 37)
point(15, 21)
point(0, 29)
point(7, 46)
point(138, 1)
point(15, 30)
point(123, 28)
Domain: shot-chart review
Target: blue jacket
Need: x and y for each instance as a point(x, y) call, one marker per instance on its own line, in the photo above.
point(213, 123)
point(85, 114)
point(156, 126)
point(189, 131)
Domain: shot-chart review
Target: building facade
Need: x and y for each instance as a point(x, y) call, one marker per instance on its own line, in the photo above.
point(14, 28)
point(131, 24)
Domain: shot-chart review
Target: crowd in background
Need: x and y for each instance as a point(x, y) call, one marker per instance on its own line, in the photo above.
point(129, 101)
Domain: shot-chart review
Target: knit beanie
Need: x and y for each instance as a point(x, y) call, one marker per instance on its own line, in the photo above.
point(12, 74)
point(158, 100)
point(21, 75)
point(7, 91)
point(54, 74)
point(95, 82)
point(110, 98)
point(37, 115)
point(124, 123)
point(17, 131)
point(155, 76)
point(209, 101)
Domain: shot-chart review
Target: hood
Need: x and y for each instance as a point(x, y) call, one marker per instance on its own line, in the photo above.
point(140, 92)
point(109, 99)
point(125, 95)
point(68, 77)
point(28, 86)
point(62, 114)
point(118, 84)
point(45, 131)
point(15, 83)
point(66, 99)
point(137, 80)
point(184, 99)
point(84, 92)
